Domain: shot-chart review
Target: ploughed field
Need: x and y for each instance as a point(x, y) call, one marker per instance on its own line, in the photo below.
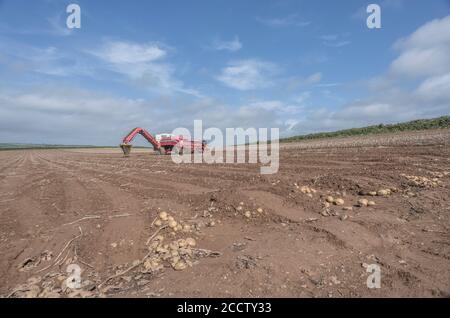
point(335, 207)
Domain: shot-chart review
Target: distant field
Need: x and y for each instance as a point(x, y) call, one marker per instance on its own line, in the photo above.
point(110, 150)
point(12, 146)
point(8, 146)
point(415, 125)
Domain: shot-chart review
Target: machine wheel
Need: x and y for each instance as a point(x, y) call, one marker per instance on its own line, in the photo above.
point(177, 150)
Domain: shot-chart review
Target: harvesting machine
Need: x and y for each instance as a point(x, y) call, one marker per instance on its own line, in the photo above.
point(163, 143)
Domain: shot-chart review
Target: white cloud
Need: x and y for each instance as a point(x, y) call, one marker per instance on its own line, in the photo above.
point(247, 74)
point(130, 53)
point(302, 98)
point(314, 78)
point(328, 85)
point(424, 53)
point(23, 58)
point(58, 26)
point(368, 111)
point(291, 20)
point(76, 116)
point(294, 83)
point(433, 33)
point(232, 46)
point(330, 37)
point(290, 123)
point(144, 65)
point(337, 44)
point(430, 99)
point(66, 115)
point(435, 89)
point(275, 106)
point(335, 40)
point(89, 117)
point(422, 62)
point(424, 58)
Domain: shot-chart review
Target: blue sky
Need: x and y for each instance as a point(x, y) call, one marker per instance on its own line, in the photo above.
point(302, 66)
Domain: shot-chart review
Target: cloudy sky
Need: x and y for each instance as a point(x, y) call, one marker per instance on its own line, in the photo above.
point(303, 66)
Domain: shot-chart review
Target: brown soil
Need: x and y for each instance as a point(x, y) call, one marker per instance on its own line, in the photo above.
point(295, 247)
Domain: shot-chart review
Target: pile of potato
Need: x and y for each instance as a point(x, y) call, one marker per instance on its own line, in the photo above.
point(380, 193)
point(365, 202)
point(439, 175)
point(329, 200)
point(424, 182)
point(178, 253)
point(247, 213)
point(335, 201)
point(165, 219)
point(306, 190)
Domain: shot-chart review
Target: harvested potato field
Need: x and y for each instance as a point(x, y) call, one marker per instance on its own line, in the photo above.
point(143, 226)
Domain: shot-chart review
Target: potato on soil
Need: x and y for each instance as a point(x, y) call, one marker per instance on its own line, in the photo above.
point(163, 215)
point(305, 189)
point(173, 224)
point(363, 202)
point(191, 242)
point(179, 266)
point(383, 192)
point(182, 243)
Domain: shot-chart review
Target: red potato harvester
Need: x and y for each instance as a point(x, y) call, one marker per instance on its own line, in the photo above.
point(166, 143)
